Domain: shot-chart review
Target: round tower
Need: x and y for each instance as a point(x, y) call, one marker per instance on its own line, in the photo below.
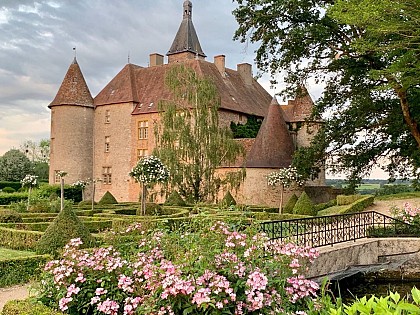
point(72, 113)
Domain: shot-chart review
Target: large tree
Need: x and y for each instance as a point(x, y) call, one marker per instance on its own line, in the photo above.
point(366, 52)
point(14, 166)
point(190, 141)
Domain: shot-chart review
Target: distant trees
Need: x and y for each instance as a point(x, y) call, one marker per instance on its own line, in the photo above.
point(14, 166)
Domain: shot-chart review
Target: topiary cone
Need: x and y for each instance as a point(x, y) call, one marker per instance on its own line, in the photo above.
point(304, 205)
point(108, 199)
point(228, 200)
point(288, 207)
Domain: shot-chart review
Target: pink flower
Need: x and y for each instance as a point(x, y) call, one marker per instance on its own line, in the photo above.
point(63, 303)
point(72, 289)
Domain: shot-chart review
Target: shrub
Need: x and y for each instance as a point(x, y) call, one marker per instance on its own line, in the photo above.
point(64, 227)
point(70, 193)
point(8, 190)
point(10, 216)
point(19, 239)
point(357, 206)
point(14, 185)
point(27, 307)
point(86, 203)
point(175, 199)
point(228, 200)
point(325, 205)
point(153, 209)
point(108, 199)
point(7, 199)
point(288, 207)
point(304, 205)
point(20, 270)
point(343, 200)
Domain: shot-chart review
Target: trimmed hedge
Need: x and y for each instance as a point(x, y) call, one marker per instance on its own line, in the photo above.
point(19, 239)
point(175, 199)
point(14, 185)
point(357, 206)
point(343, 200)
point(325, 205)
point(8, 190)
point(290, 204)
point(107, 199)
point(228, 200)
point(304, 205)
point(27, 307)
point(10, 216)
point(7, 199)
point(70, 193)
point(21, 270)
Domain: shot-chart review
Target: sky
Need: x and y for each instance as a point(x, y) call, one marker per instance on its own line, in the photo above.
point(37, 40)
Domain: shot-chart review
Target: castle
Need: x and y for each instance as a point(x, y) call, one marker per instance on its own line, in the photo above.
point(105, 136)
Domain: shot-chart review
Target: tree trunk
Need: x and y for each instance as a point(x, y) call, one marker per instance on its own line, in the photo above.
point(143, 200)
point(62, 194)
point(93, 194)
point(29, 197)
point(281, 198)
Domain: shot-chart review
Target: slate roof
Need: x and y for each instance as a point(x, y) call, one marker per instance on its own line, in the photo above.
point(73, 89)
point(146, 87)
point(186, 39)
point(273, 146)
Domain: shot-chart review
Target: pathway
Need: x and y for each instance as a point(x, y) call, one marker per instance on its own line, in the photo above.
point(19, 292)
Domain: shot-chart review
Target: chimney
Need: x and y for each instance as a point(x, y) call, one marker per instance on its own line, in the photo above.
point(219, 61)
point(245, 71)
point(156, 60)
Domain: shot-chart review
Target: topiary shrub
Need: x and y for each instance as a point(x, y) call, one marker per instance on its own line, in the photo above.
point(27, 307)
point(85, 203)
point(8, 190)
point(290, 204)
point(175, 199)
point(65, 227)
point(228, 200)
point(153, 208)
point(304, 205)
point(10, 216)
point(108, 199)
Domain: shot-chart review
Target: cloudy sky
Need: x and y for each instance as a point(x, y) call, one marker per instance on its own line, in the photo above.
point(37, 40)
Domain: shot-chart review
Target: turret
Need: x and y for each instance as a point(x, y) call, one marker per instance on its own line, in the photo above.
point(72, 113)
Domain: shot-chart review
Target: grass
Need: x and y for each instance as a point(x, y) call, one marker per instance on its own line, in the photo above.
point(368, 186)
point(10, 253)
point(404, 195)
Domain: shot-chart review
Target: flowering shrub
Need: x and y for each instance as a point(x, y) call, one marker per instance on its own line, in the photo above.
point(149, 170)
point(285, 177)
point(208, 270)
point(81, 184)
point(29, 181)
point(408, 214)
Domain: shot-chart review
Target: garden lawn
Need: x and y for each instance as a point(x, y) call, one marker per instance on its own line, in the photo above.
point(10, 253)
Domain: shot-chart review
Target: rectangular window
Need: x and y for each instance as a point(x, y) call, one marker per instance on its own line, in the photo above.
point(57, 178)
point(106, 175)
point(143, 127)
point(107, 116)
point(107, 140)
point(141, 153)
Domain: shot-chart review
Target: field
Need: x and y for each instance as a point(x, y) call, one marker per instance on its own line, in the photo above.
point(368, 186)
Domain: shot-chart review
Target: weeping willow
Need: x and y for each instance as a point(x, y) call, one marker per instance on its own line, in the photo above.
point(189, 140)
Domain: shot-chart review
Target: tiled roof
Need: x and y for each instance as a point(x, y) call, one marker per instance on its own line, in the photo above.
point(121, 89)
point(186, 39)
point(300, 108)
point(73, 89)
point(273, 147)
point(148, 88)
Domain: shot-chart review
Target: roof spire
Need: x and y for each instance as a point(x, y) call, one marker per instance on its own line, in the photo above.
point(186, 40)
point(75, 55)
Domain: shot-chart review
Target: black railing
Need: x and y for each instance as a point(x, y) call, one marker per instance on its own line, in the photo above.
point(330, 230)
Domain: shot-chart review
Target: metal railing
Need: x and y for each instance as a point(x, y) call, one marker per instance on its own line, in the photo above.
point(330, 230)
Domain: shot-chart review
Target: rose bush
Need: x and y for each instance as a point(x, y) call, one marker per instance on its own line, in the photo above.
point(206, 269)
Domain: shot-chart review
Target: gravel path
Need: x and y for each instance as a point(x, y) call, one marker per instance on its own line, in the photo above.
point(19, 292)
point(384, 206)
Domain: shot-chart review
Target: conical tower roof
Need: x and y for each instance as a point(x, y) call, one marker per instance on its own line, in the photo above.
point(186, 40)
point(273, 147)
point(73, 89)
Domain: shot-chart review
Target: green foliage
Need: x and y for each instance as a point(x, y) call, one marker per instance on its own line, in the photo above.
point(190, 141)
point(14, 165)
point(357, 206)
point(20, 270)
point(290, 204)
point(86, 203)
point(304, 205)
point(366, 54)
point(11, 216)
point(70, 193)
point(19, 239)
point(392, 304)
point(153, 208)
point(27, 307)
point(108, 199)
point(248, 130)
point(346, 200)
point(65, 227)
point(393, 189)
point(7, 199)
point(325, 205)
point(14, 185)
point(228, 200)
point(8, 190)
point(175, 199)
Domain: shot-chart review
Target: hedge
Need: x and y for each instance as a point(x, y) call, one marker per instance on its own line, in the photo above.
point(19, 239)
point(357, 206)
point(14, 185)
point(27, 307)
point(20, 270)
point(7, 199)
point(343, 200)
point(70, 193)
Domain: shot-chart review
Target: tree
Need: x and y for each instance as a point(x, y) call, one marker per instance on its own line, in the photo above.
point(14, 165)
point(149, 171)
point(37, 151)
point(29, 181)
point(189, 139)
point(367, 55)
